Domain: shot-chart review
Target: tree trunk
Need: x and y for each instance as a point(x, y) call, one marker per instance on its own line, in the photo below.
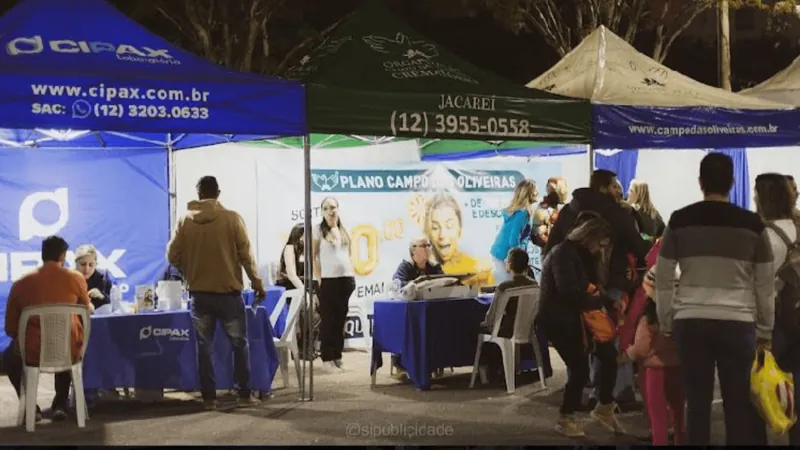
point(724, 46)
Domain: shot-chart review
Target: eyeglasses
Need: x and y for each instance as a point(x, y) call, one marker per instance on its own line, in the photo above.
point(422, 245)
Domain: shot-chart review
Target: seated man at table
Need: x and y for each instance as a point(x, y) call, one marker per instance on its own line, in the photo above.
point(52, 283)
point(419, 263)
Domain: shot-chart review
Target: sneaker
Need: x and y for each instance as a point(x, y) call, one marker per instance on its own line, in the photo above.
point(330, 366)
point(400, 374)
point(607, 417)
point(58, 415)
point(246, 401)
point(210, 405)
point(569, 427)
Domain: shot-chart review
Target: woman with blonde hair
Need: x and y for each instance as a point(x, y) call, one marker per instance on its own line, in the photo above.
point(515, 231)
point(444, 225)
point(98, 281)
point(569, 276)
point(647, 216)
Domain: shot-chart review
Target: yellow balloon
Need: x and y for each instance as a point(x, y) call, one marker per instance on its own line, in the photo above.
point(368, 265)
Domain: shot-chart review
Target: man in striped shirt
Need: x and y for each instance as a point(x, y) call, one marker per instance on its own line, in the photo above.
point(723, 306)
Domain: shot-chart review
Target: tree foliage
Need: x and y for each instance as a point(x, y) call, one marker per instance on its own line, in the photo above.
point(565, 23)
point(246, 35)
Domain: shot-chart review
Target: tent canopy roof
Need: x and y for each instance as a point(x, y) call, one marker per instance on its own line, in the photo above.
point(83, 65)
point(375, 75)
point(606, 69)
point(783, 87)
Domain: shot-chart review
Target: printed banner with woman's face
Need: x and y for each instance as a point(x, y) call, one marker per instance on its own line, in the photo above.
point(457, 206)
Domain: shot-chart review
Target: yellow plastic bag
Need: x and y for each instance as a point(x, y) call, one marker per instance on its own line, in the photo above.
point(772, 391)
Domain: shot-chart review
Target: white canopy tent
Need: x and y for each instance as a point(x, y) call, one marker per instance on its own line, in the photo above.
point(606, 69)
point(783, 87)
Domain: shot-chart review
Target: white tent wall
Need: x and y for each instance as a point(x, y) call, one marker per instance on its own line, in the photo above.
point(783, 160)
point(574, 169)
point(235, 166)
point(672, 177)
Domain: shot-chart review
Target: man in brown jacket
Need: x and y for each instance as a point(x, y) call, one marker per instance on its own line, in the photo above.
point(211, 247)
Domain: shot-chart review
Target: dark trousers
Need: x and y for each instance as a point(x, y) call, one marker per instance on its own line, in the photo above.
point(334, 298)
point(730, 346)
point(794, 432)
point(207, 309)
point(12, 363)
point(568, 342)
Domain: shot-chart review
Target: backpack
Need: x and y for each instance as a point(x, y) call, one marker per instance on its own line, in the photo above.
point(787, 286)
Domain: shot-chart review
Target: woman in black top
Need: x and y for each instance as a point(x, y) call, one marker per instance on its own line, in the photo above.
point(292, 266)
point(566, 274)
point(98, 281)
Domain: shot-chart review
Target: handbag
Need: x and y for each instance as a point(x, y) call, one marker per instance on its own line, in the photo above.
point(597, 323)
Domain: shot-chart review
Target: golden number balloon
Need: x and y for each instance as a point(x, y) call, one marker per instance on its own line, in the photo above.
point(360, 265)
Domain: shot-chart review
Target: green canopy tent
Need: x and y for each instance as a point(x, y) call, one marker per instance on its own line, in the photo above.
point(374, 75)
point(429, 149)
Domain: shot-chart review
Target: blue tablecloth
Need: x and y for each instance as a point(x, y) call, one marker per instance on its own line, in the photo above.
point(431, 335)
point(274, 294)
point(159, 351)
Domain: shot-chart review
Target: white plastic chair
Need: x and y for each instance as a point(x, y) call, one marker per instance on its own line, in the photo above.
point(524, 333)
point(55, 355)
point(287, 343)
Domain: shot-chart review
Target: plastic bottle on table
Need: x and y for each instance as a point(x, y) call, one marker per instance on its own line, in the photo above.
point(116, 299)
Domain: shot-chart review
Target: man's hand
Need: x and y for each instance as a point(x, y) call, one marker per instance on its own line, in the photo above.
point(96, 294)
point(622, 358)
point(258, 288)
point(763, 344)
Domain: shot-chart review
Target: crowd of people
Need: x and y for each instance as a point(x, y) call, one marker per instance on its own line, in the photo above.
point(680, 300)
point(619, 288)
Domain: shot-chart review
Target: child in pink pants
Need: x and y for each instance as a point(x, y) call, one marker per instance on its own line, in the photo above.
point(663, 391)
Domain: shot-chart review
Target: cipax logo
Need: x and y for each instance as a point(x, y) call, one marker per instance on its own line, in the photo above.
point(14, 265)
point(35, 44)
point(174, 334)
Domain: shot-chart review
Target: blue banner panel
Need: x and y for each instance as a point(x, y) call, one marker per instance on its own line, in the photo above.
point(624, 127)
point(82, 64)
point(622, 163)
point(116, 200)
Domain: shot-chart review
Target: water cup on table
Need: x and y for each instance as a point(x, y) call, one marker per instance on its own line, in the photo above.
point(170, 295)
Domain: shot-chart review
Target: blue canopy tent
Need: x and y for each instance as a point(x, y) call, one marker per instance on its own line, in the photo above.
point(72, 65)
point(83, 65)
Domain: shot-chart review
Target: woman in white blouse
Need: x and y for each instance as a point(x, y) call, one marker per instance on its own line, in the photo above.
point(332, 265)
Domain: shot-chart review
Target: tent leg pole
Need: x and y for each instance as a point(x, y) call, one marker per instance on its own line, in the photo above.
point(309, 275)
point(173, 185)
